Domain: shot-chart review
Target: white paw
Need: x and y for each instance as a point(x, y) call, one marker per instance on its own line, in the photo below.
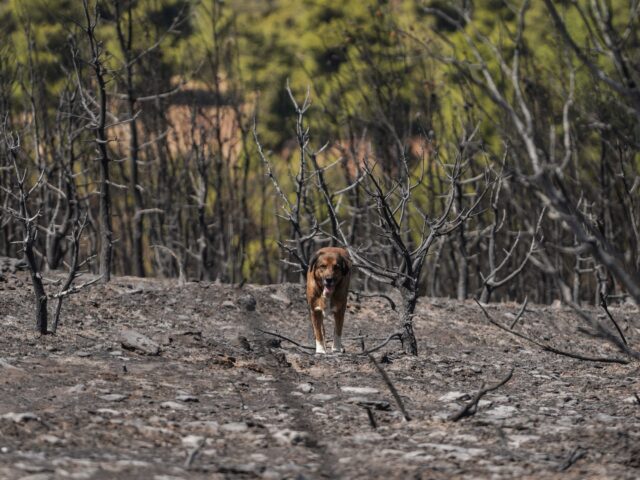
point(337, 345)
point(320, 347)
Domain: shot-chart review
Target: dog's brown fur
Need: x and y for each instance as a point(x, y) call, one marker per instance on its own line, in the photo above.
point(328, 279)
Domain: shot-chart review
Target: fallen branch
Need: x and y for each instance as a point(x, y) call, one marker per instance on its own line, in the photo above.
point(392, 388)
point(472, 406)
point(549, 348)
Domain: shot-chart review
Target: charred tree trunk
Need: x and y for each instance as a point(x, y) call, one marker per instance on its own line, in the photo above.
point(134, 146)
point(408, 338)
point(106, 230)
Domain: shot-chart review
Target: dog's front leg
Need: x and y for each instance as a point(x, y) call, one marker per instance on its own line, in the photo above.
point(317, 317)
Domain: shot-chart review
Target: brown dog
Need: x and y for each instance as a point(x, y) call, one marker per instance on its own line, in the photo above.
point(328, 279)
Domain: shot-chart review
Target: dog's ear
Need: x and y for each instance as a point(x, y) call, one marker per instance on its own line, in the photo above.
point(345, 264)
point(313, 261)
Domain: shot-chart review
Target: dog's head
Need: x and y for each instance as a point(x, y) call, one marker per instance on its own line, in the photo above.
point(329, 267)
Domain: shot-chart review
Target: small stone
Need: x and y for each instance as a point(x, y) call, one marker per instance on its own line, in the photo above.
point(360, 390)
point(291, 437)
point(173, 405)
point(228, 304)
point(51, 439)
point(322, 397)
point(247, 302)
point(243, 343)
point(235, 427)
point(501, 412)
point(186, 397)
point(453, 396)
point(109, 411)
point(80, 387)
point(192, 441)
point(305, 387)
point(20, 417)
point(281, 298)
point(114, 397)
point(132, 340)
point(375, 404)
point(83, 353)
point(209, 427)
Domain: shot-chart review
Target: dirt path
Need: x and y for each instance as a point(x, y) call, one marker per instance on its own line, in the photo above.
point(222, 400)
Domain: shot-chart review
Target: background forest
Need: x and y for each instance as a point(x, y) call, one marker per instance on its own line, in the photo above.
point(482, 148)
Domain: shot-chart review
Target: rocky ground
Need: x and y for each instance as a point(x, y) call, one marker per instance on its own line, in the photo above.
point(205, 394)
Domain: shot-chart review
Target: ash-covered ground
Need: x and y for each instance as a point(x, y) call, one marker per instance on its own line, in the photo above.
point(208, 395)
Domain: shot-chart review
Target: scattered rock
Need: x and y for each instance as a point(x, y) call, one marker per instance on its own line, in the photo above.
point(114, 397)
point(38, 476)
point(228, 304)
point(132, 340)
point(192, 441)
point(83, 353)
point(454, 451)
point(8, 366)
point(247, 302)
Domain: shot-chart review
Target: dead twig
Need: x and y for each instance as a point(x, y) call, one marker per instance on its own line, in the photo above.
point(575, 455)
point(372, 419)
point(360, 295)
point(286, 338)
point(549, 348)
point(520, 313)
point(472, 406)
point(605, 307)
point(391, 387)
point(397, 335)
point(193, 453)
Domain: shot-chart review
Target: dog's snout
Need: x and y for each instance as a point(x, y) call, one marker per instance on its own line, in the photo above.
point(329, 281)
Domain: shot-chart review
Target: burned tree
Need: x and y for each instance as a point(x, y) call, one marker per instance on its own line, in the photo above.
point(23, 214)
